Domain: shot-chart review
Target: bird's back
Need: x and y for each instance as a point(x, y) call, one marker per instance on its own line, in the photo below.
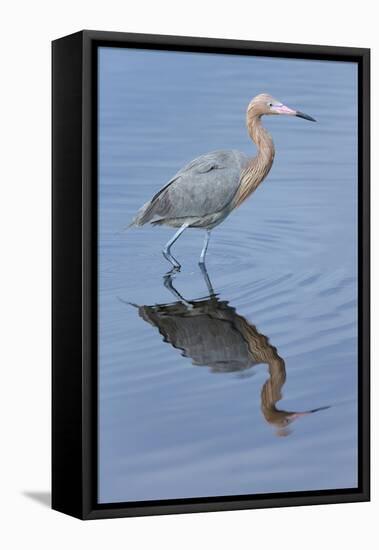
point(198, 192)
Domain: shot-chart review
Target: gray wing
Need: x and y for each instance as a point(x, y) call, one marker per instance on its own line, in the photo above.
point(204, 186)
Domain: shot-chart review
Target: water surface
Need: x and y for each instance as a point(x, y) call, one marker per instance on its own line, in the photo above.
point(199, 394)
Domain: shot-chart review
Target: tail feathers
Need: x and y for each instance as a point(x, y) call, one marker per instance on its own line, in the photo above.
point(142, 216)
point(134, 223)
point(145, 215)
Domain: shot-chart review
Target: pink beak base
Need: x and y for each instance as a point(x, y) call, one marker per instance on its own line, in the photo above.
point(284, 110)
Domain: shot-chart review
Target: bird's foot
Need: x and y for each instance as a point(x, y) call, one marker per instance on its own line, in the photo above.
point(171, 274)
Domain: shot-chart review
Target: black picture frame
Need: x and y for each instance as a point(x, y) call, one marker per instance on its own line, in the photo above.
point(74, 271)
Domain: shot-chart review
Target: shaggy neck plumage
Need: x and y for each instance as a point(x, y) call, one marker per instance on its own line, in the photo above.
point(259, 166)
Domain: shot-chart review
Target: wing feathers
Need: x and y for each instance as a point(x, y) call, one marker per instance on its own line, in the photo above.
point(204, 186)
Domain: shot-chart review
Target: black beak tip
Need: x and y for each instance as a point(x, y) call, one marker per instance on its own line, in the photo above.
point(320, 409)
point(306, 117)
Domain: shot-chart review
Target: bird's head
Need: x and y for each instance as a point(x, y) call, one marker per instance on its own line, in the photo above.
point(264, 104)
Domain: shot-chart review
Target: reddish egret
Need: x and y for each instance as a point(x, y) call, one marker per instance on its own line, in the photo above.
point(205, 191)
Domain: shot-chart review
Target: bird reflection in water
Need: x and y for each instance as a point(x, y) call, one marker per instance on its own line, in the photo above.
point(211, 333)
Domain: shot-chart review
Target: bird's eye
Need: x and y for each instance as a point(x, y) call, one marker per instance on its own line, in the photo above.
point(270, 104)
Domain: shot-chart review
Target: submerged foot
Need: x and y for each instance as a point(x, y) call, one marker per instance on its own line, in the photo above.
point(171, 274)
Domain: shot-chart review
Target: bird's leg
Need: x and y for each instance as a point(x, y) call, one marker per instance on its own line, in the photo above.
point(167, 249)
point(205, 247)
point(207, 280)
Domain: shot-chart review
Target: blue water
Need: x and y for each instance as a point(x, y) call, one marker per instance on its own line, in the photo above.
point(196, 393)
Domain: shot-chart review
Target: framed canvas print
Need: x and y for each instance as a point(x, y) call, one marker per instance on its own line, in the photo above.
point(210, 274)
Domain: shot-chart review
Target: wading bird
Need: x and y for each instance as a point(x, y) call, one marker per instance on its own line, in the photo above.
point(205, 191)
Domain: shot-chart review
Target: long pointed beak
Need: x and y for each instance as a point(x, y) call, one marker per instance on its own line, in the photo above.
point(281, 109)
point(303, 115)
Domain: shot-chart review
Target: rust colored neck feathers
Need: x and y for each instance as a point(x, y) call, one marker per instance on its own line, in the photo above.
point(260, 165)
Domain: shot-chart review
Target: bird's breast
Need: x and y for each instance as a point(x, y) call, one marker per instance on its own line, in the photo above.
point(252, 177)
